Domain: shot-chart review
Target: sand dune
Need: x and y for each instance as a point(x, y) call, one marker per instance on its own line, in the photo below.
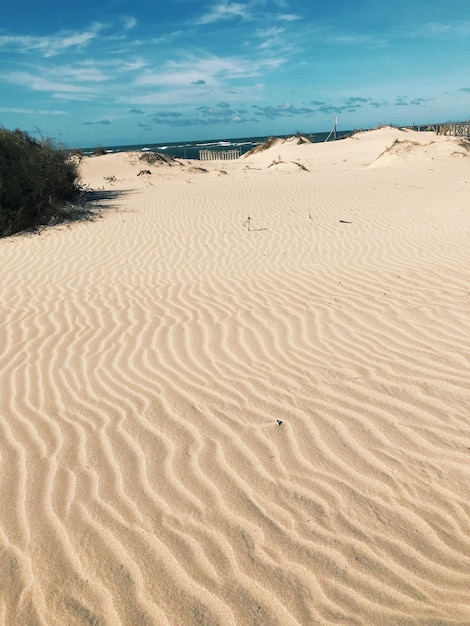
point(240, 396)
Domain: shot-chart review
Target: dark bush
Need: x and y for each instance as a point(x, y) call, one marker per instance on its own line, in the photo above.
point(36, 178)
point(157, 158)
point(99, 151)
point(78, 153)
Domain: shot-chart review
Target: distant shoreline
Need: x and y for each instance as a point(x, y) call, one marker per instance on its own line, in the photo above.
point(190, 149)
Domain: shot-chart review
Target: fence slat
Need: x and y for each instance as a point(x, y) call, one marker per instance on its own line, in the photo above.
point(219, 155)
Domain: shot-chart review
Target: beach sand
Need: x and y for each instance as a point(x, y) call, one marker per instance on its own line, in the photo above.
point(240, 396)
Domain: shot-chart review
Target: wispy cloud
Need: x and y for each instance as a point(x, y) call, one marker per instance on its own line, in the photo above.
point(38, 83)
point(273, 31)
point(288, 17)
point(454, 28)
point(81, 81)
point(129, 22)
point(357, 39)
point(224, 11)
point(23, 111)
point(52, 45)
point(212, 70)
point(87, 73)
point(272, 40)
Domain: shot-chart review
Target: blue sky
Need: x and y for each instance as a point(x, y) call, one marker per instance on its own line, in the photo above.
point(110, 72)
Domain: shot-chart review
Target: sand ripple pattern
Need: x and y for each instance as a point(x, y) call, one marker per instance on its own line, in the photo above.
point(208, 424)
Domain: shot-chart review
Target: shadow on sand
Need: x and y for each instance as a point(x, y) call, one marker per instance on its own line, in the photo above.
point(88, 206)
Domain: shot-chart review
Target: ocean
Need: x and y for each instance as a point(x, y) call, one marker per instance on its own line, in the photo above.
point(190, 149)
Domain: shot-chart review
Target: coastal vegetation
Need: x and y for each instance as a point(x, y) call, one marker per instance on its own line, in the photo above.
point(37, 178)
point(158, 158)
point(99, 151)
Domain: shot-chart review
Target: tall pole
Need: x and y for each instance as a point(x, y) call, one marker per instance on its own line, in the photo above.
point(333, 131)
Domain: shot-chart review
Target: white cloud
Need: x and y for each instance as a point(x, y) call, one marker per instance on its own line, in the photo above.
point(132, 66)
point(51, 45)
point(272, 39)
point(87, 74)
point(30, 111)
point(76, 96)
point(37, 83)
point(357, 40)
point(274, 31)
point(129, 22)
point(209, 71)
point(79, 82)
point(224, 11)
point(182, 97)
point(109, 67)
point(288, 17)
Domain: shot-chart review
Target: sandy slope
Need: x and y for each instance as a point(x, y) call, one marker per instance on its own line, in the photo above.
point(148, 358)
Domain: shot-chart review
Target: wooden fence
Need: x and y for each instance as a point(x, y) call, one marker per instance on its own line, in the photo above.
point(219, 155)
point(460, 129)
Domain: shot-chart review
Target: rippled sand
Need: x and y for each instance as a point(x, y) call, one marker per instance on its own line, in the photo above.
point(241, 396)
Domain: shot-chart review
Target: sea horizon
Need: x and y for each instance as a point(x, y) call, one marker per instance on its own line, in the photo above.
point(190, 149)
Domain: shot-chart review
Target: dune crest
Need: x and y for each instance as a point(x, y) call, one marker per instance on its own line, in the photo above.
point(243, 399)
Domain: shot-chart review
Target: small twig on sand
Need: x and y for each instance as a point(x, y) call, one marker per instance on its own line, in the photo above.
point(247, 223)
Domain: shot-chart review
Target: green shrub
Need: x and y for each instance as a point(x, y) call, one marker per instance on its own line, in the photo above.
point(36, 177)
